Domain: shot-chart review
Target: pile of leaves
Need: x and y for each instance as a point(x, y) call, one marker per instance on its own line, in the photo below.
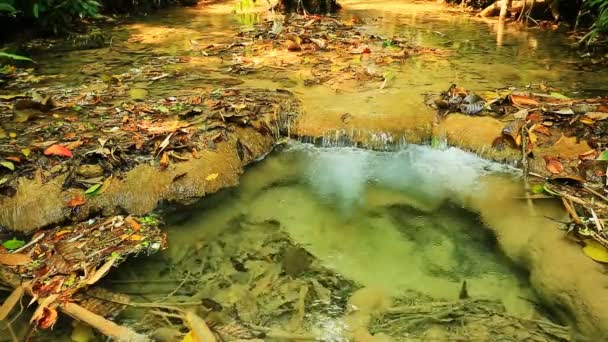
point(333, 51)
point(91, 132)
point(539, 122)
point(59, 262)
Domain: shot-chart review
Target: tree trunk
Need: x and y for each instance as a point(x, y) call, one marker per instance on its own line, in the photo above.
point(504, 9)
point(308, 6)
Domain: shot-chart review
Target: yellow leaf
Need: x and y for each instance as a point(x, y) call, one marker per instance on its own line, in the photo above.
point(12, 135)
point(26, 151)
point(211, 177)
point(190, 337)
point(595, 251)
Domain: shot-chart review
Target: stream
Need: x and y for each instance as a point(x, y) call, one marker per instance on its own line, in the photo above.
point(336, 220)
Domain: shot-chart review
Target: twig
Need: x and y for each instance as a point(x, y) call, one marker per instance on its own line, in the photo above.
point(36, 239)
point(595, 192)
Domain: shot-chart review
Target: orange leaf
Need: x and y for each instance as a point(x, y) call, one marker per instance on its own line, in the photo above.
point(589, 155)
point(76, 201)
point(134, 224)
point(14, 259)
point(554, 165)
point(135, 237)
point(164, 160)
point(521, 100)
point(13, 159)
point(48, 318)
point(74, 144)
point(58, 150)
point(542, 129)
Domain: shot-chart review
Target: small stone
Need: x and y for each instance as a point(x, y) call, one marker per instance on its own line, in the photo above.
point(90, 171)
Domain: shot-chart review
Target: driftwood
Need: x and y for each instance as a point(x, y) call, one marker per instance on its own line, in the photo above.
point(73, 310)
point(516, 6)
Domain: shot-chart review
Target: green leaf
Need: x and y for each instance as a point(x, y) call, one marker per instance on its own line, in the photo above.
point(538, 188)
point(7, 8)
point(13, 244)
point(603, 156)
point(93, 190)
point(558, 96)
point(548, 190)
point(7, 164)
point(36, 10)
point(138, 93)
point(14, 57)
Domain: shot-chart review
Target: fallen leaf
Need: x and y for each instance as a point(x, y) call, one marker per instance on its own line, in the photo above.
point(7, 164)
point(58, 150)
point(558, 96)
point(595, 251)
point(14, 159)
point(47, 319)
point(603, 155)
point(554, 165)
point(138, 93)
point(74, 144)
point(597, 116)
point(134, 224)
point(101, 272)
point(164, 160)
point(25, 151)
point(93, 189)
point(14, 259)
point(522, 114)
point(589, 155)
point(521, 100)
point(13, 244)
point(542, 129)
point(211, 177)
point(76, 201)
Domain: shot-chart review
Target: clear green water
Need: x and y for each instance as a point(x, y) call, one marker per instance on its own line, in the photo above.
point(391, 222)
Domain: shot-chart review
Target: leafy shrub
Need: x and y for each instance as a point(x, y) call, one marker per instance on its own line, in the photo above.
point(50, 15)
point(598, 10)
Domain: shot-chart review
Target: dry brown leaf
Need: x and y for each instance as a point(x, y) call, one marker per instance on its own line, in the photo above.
point(164, 160)
point(101, 272)
point(14, 259)
point(554, 165)
point(522, 100)
point(597, 115)
point(589, 155)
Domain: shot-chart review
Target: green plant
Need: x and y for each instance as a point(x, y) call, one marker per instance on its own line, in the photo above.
point(598, 10)
point(7, 8)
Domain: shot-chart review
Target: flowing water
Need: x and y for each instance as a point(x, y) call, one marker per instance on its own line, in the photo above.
point(390, 221)
point(396, 222)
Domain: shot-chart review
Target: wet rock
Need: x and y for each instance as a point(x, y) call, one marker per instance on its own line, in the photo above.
point(89, 171)
point(296, 261)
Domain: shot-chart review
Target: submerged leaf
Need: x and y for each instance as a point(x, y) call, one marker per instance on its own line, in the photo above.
point(595, 251)
point(138, 93)
point(554, 165)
